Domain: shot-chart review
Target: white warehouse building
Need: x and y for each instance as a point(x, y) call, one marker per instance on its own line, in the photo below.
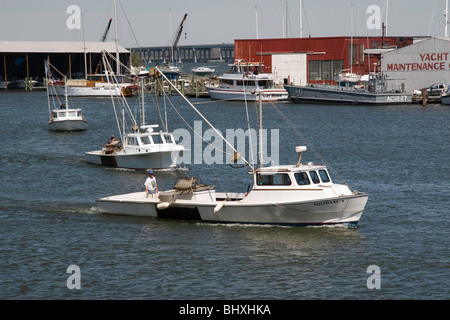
point(418, 66)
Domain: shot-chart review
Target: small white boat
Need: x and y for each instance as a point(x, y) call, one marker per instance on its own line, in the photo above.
point(203, 71)
point(349, 77)
point(66, 119)
point(243, 81)
point(63, 118)
point(139, 147)
point(293, 195)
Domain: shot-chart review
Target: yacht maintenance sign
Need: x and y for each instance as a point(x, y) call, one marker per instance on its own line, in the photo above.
point(422, 62)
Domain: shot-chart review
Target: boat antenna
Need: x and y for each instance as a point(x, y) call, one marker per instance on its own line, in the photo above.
point(259, 92)
point(203, 117)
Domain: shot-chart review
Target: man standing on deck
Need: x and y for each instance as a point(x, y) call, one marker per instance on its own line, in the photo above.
point(150, 184)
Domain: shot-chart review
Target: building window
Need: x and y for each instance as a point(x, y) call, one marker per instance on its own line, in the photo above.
point(324, 69)
point(353, 54)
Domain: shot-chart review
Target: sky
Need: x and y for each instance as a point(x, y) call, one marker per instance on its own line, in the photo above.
point(153, 23)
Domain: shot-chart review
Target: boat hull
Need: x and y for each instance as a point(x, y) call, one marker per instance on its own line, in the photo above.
point(81, 91)
point(339, 210)
point(242, 95)
point(445, 99)
point(302, 94)
point(68, 125)
point(128, 160)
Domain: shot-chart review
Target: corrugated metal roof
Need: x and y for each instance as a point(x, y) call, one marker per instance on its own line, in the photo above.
point(58, 47)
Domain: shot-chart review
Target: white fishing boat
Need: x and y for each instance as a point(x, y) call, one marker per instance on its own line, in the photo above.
point(139, 147)
point(95, 85)
point(62, 118)
point(243, 81)
point(293, 195)
point(203, 71)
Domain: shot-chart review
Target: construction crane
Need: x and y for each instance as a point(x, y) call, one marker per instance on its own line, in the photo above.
point(105, 34)
point(106, 31)
point(177, 36)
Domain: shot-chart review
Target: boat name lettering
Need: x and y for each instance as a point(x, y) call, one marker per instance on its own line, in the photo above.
point(397, 98)
point(323, 203)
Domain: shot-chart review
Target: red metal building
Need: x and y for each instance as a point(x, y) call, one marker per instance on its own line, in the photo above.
point(326, 56)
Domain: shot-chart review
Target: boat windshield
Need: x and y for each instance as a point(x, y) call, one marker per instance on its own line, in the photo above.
point(157, 139)
point(168, 138)
point(302, 178)
point(145, 140)
point(279, 179)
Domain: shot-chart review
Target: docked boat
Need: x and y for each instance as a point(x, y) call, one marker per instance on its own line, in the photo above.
point(95, 85)
point(62, 118)
point(140, 146)
point(171, 71)
point(294, 195)
point(373, 94)
point(203, 71)
point(243, 81)
point(445, 96)
point(347, 77)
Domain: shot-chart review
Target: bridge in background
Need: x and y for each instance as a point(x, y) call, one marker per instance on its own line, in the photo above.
point(188, 53)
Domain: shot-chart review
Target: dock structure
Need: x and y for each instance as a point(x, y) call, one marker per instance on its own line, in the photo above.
point(188, 53)
point(22, 62)
point(193, 86)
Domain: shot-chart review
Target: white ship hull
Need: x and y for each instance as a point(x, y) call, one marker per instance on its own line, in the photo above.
point(133, 160)
point(248, 95)
point(81, 91)
point(338, 210)
point(68, 125)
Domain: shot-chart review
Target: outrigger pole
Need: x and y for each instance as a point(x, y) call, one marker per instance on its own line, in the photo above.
point(204, 119)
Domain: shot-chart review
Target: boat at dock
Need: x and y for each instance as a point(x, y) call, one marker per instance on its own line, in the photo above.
point(373, 94)
point(95, 85)
point(243, 81)
point(294, 195)
point(203, 71)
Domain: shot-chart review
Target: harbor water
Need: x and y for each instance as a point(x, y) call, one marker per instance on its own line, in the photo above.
point(49, 219)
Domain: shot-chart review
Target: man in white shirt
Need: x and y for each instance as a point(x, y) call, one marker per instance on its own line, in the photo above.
point(150, 184)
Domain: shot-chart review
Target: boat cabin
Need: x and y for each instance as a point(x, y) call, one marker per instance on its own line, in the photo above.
point(148, 137)
point(292, 176)
point(66, 114)
point(241, 66)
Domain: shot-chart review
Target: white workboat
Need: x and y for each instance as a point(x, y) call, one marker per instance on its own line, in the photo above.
point(294, 195)
point(140, 146)
point(243, 81)
point(62, 118)
point(203, 71)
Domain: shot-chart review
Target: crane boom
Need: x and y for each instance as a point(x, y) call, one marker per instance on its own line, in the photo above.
point(178, 34)
point(106, 31)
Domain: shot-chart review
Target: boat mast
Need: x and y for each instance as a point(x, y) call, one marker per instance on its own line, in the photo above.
point(260, 130)
point(84, 48)
point(351, 43)
point(446, 20)
point(65, 91)
point(117, 39)
point(301, 23)
point(142, 99)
